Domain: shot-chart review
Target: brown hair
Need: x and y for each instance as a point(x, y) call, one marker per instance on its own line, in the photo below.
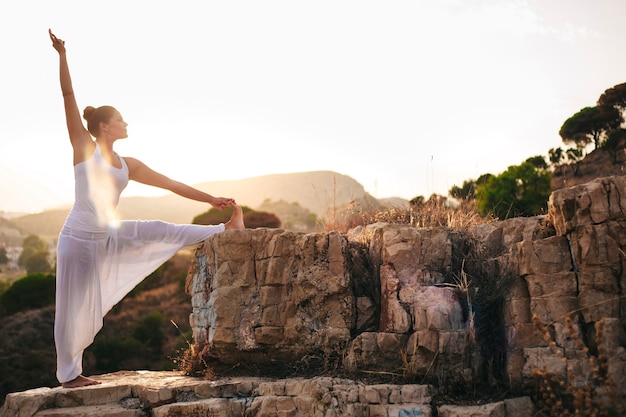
point(94, 116)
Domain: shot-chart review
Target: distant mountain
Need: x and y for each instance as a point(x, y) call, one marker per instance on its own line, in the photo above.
point(10, 234)
point(48, 223)
point(319, 191)
point(10, 214)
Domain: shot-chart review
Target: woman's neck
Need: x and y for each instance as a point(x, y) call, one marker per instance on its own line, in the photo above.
point(106, 146)
point(106, 149)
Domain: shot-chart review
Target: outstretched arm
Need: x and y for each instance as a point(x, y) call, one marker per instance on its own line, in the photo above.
point(140, 172)
point(79, 136)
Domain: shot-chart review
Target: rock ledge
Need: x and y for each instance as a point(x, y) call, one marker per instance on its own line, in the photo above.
point(169, 394)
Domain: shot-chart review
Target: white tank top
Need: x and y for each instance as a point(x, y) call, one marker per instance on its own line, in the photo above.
point(97, 190)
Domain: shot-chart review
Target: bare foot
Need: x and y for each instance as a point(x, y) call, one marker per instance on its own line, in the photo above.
point(80, 381)
point(236, 220)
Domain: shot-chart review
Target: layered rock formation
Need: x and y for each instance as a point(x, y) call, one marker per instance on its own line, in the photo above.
point(491, 305)
point(510, 305)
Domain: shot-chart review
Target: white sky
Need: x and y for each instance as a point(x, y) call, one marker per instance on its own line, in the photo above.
point(406, 97)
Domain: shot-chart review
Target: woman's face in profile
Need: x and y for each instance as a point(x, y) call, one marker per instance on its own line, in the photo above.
point(117, 126)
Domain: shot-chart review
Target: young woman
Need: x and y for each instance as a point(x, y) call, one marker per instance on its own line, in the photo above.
point(100, 259)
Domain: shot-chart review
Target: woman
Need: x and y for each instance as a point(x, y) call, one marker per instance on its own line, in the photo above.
point(100, 259)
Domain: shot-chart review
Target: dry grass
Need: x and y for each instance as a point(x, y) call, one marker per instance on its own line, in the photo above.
point(189, 360)
point(436, 212)
point(568, 397)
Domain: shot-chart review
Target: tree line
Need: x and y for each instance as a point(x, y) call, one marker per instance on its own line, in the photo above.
point(523, 190)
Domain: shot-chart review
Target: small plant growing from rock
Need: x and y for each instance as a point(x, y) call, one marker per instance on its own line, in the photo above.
point(577, 395)
point(189, 360)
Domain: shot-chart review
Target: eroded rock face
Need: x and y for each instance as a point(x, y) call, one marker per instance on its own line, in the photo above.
point(426, 301)
point(592, 218)
point(272, 295)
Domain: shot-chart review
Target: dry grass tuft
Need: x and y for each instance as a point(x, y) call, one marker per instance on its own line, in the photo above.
point(190, 360)
point(568, 397)
point(191, 363)
point(436, 212)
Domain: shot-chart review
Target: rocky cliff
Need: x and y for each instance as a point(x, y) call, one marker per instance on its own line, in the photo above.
point(400, 319)
point(600, 162)
point(501, 304)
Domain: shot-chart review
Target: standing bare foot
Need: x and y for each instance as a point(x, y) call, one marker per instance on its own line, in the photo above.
point(80, 381)
point(236, 220)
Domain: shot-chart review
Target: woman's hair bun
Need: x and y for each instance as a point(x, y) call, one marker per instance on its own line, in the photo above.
point(88, 112)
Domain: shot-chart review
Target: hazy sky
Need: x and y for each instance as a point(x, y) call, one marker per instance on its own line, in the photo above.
point(406, 97)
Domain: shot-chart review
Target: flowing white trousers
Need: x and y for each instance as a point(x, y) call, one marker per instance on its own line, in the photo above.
point(95, 270)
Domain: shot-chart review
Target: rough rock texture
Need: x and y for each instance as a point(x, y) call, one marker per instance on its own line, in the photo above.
point(599, 163)
point(435, 303)
point(269, 295)
point(482, 308)
point(168, 394)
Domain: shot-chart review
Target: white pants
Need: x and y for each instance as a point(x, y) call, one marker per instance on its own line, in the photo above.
point(95, 270)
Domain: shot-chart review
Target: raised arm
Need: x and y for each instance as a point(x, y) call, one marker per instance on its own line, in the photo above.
point(140, 172)
point(79, 136)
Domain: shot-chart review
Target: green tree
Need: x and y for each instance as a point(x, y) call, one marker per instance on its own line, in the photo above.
point(3, 256)
point(468, 190)
point(252, 218)
point(521, 190)
point(136, 351)
point(538, 162)
point(31, 292)
point(32, 244)
point(37, 263)
point(615, 141)
point(256, 219)
point(556, 155)
point(614, 97)
point(112, 353)
point(574, 154)
point(149, 331)
point(590, 124)
point(417, 201)
point(216, 216)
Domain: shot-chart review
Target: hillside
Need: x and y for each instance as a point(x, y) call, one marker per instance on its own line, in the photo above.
point(312, 190)
point(317, 191)
point(9, 233)
point(599, 163)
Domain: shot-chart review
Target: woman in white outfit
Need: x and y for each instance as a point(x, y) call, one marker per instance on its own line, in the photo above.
point(100, 259)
